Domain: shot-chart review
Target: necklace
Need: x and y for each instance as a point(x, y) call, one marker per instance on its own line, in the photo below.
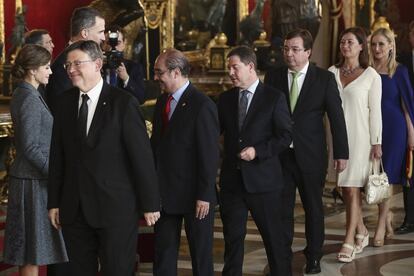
point(348, 72)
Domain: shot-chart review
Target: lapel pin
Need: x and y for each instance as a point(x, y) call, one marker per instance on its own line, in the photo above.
point(104, 103)
point(184, 104)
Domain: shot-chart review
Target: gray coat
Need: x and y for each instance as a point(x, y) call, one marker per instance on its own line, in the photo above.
point(32, 124)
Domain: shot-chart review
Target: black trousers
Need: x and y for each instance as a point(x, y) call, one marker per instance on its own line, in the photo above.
point(408, 194)
point(265, 210)
point(115, 246)
point(200, 240)
point(310, 186)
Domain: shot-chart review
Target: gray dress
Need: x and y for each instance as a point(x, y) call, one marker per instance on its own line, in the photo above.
point(29, 236)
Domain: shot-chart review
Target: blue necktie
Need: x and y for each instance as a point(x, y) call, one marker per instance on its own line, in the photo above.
point(242, 107)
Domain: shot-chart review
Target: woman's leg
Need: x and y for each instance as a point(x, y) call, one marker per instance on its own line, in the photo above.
point(353, 215)
point(384, 221)
point(29, 270)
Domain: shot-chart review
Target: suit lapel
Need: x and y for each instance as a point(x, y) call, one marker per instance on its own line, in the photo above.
point(307, 84)
point(285, 82)
point(254, 104)
point(99, 112)
point(45, 104)
point(232, 108)
point(158, 113)
point(73, 110)
point(181, 106)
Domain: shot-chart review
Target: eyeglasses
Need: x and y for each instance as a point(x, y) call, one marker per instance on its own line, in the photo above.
point(159, 73)
point(295, 50)
point(76, 63)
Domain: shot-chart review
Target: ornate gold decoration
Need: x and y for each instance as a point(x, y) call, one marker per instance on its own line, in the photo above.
point(262, 42)
point(242, 12)
point(218, 54)
point(154, 11)
point(380, 22)
point(6, 130)
point(160, 14)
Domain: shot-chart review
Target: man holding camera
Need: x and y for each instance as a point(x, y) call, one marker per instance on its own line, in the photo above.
point(122, 73)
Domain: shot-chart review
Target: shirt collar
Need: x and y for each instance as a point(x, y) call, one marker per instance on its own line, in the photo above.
point(177, 94)
point(303, 71)
point(95, 92)
point(252, 88)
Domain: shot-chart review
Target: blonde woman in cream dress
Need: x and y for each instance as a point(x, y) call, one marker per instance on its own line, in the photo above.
point(360, 90)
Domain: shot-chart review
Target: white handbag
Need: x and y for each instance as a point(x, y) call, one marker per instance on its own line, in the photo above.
point(377, 188)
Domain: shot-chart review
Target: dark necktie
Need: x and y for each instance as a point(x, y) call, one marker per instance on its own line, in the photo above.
point(83, 117)
point(242, 107)
point(167, 109)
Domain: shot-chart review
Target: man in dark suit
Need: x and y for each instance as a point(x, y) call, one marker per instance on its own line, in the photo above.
point(311, 92)
point(102, 172)
point(256, 125)
point(86, 23)
point(185, 144)
point(128, 74)
point(407, 59)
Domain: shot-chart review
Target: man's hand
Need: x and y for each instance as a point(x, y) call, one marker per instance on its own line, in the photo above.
point(122, 72)
point(54, 217)
point(340, 165)
point(248, 154)
point(151, 217)
point(202, 209)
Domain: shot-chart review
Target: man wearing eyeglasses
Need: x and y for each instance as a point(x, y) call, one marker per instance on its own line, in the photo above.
point(86, 23)
point(311, 92)
point(185, 145)
point(102, 172)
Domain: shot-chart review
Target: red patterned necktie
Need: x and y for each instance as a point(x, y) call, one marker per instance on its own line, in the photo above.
point(167, 110)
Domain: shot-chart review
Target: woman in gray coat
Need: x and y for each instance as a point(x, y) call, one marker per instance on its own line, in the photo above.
point(30, 240)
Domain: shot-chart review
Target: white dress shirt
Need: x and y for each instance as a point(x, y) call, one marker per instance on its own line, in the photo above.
point(300, 79)
point(176, 98)
point(92, 102)
point(250, 95)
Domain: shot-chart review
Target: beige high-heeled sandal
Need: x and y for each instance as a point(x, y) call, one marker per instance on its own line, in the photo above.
point(344, 257)
point(365, 240)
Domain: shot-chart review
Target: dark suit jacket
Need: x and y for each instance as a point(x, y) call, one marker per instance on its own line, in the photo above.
point(267, 128)
point(59, 82)
point(407, 60)
point(319, 95)
point(111, 174)
point(135, 84)
point(187, 152)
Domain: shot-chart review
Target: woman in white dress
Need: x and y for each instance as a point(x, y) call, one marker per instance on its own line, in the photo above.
point(360, 90)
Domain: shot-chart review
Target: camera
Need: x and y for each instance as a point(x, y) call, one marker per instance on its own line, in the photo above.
point(113, 56)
